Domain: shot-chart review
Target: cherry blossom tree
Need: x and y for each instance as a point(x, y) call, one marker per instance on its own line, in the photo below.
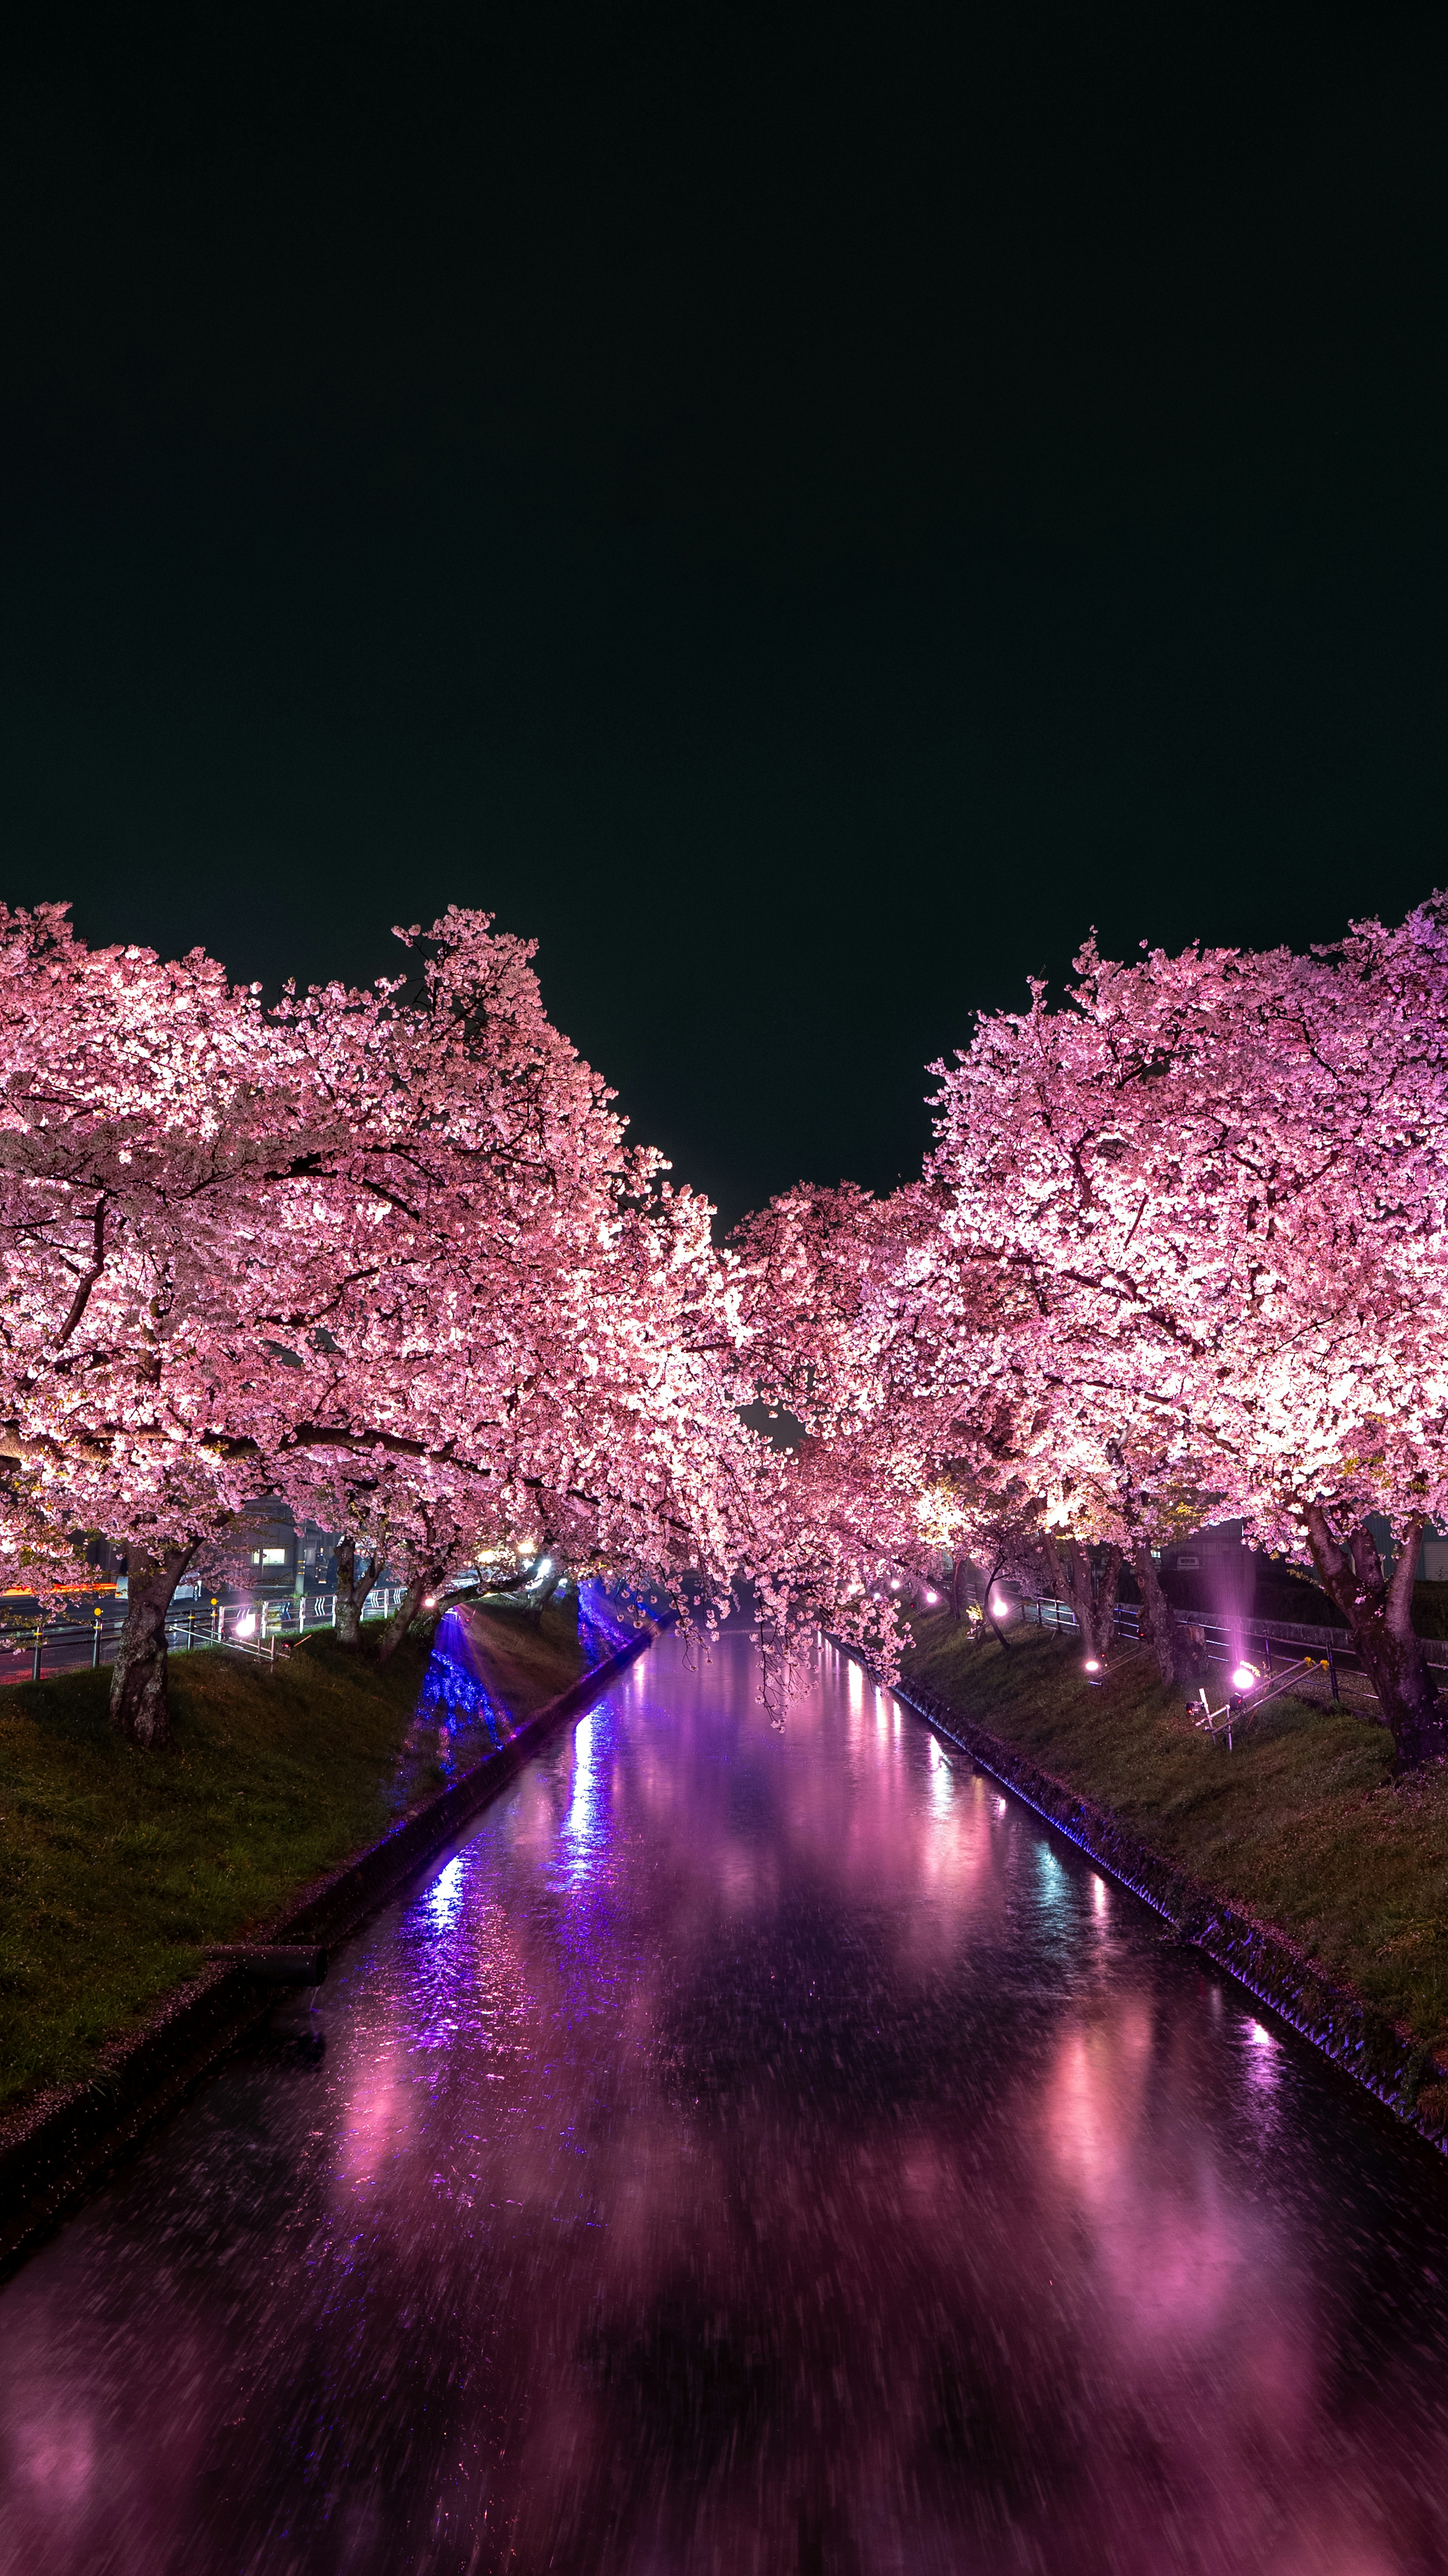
point(1220, 1180)
point(389, 1255)
point(1177, 1254)
point(135, 1123)
point(387, 1252)
point(835, 1324)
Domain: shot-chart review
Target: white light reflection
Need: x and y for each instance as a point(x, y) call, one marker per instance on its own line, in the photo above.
point(1052, 1879)
point(1262, 2062)
point(941, 1782)
point(445, 1894)
point(582, 1828)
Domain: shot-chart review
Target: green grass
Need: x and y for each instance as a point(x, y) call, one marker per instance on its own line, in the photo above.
point(118, 1867)
point(1303, 1824)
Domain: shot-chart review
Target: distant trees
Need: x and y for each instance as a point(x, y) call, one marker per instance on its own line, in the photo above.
point(386, 1255)
point(1179, 1251)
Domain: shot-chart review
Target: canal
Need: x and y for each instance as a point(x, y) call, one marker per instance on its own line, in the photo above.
point(753, 2151)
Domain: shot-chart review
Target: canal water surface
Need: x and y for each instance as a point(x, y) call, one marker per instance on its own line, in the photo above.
point(750, 2151)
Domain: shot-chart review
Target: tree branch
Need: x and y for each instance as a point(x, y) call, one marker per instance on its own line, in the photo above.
point(79, 1301)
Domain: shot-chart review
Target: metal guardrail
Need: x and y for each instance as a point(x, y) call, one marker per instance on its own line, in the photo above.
point(300, 1615)
point(29, 1647)
point(1282, 1632)
point(1224, 1641)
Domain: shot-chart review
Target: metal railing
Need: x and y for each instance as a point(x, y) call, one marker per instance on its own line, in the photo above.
point(297, 1615)
point(32, 1646)
point(1226, 1641)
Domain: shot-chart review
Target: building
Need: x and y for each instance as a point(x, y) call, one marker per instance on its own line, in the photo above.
point(1221, 1546)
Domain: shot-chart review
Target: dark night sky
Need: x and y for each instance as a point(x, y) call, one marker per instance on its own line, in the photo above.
point(803, 511)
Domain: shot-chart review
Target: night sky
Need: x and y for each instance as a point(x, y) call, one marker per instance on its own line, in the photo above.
point(804, 511)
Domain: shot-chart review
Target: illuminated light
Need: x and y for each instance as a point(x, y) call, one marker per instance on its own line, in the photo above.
point(246, 1624)
point(583, 1824)
point(545, 1565)
point(431, 1601)
point(1246, 1677)
point(1091, 1665)
point(445, 1894)
point(894, 1582)
point(931, 1599)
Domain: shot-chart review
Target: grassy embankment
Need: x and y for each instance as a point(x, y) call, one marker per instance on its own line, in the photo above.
point(117, 1868)
point(1303, 1825)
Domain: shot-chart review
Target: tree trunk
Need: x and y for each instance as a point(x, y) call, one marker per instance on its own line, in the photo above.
point(962, 1582)
point(569, 1604)
point(1090, 1591)
point(352, 1590)
point(985, 1585)
point(138, 1681)
point(1379, 1615)
point(407, 1610)
point(1167, 1639)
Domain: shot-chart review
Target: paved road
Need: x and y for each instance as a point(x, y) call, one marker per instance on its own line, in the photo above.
point(751, 2151)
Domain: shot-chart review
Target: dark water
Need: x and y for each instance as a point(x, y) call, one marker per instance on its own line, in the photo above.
point(749, 2153)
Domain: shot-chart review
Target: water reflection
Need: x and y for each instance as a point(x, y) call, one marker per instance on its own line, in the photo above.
point(750, 2151)
point(445, 1894)
point(583, 1825)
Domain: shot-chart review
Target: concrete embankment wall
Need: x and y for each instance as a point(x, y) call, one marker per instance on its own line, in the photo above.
point(55, 2148)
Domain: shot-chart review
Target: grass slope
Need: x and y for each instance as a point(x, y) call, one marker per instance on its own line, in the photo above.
point(117, 1867)
point(1303, 1824)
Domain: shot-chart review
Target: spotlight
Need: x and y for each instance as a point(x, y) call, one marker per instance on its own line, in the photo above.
point(1246, 1677)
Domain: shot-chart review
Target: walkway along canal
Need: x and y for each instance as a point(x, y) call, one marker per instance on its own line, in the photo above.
point(750, 2151)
